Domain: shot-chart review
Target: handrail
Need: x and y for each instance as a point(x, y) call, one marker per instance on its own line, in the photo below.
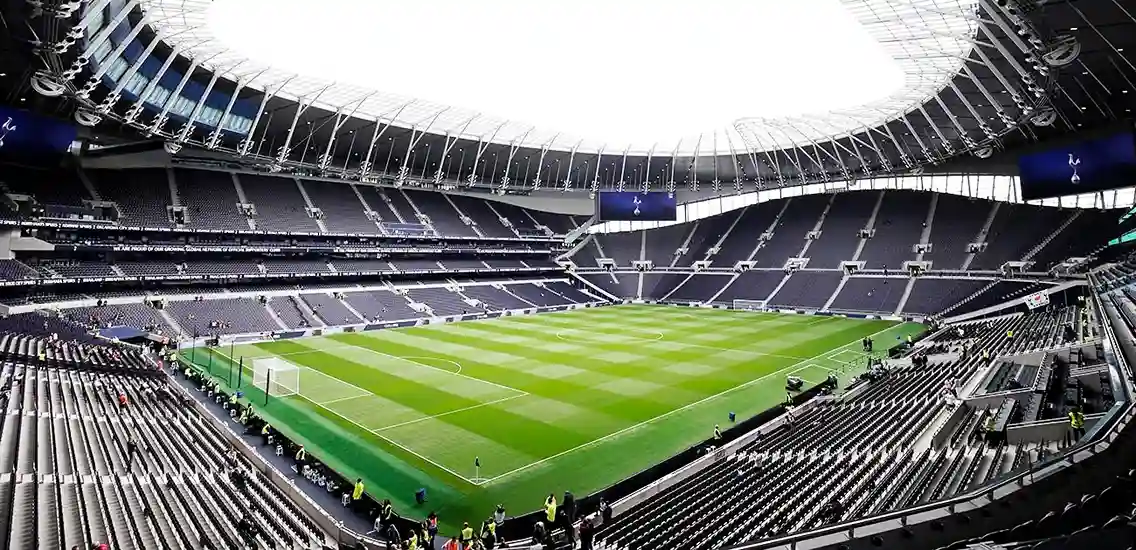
point(1097, 440)
point(989, 493)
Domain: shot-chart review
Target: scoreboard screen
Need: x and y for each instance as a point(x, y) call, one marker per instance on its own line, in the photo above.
point(653, 206)
point(1087, 166)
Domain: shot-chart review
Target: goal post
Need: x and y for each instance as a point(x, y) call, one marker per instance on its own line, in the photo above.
point(749, 305)
point(275, 376)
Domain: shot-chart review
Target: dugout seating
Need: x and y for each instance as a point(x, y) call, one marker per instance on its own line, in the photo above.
point(69, 480)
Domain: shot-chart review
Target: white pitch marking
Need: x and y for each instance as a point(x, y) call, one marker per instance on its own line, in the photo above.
point(561, 336)
point(339, 399)
point(788, 369)
point(439, 359)
point(447, 413)
point(378, 435)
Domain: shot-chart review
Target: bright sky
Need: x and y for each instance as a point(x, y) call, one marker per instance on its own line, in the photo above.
point(624, 72)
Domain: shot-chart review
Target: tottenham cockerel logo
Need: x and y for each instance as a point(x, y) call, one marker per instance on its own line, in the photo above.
point(636, 202)
point(1074, 162)
point(5, 129)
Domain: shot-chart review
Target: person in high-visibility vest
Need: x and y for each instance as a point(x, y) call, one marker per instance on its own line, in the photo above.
point(717, 433)
point(489, 533)
point(1077, 423)
point(550, 509)
point(301, 459)
point(412, 540)
point(357, 493)
point(466, 533)
point(266, 432)
point(1010, 334)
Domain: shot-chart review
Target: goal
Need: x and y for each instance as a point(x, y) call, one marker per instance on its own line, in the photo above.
point(750, 305)
point(275, 376)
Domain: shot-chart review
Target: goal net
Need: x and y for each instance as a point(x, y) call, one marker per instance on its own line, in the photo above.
point(275, 376)
point(750, 305)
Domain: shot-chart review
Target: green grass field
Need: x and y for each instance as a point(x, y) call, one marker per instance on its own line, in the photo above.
point(558, 401)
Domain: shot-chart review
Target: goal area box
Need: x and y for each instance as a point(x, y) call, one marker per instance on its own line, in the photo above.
point(749, 305)
point(276, 377)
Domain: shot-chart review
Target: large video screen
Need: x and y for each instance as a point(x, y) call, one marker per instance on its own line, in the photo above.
point(653, 206)
point(1082, 167)
point(25, 135)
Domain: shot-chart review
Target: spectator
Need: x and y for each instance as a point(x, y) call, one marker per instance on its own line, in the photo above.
point(569, 506)
point(452, 544)
point(122, 401)
point(499, 515)
point(550, 509)
point(489, 533)
point(540, 534)
point(432, 527)
point(587, 533)
point(131, 450)
point(394, 540)
point(247, 530)
point(605, 510)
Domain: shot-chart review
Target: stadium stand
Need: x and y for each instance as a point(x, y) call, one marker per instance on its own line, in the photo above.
point(832, 461)
point(145, 474)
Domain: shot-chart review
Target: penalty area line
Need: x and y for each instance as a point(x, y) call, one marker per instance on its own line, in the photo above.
point(447, 413)
point(795, 367)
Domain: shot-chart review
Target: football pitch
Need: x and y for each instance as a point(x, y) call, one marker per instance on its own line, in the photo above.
point(544, 403)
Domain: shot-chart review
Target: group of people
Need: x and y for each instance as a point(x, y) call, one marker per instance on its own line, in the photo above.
point(866, 344)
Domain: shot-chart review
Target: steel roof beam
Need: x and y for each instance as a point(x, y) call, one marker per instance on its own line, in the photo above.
point(163, 116)
point(415, 139)
point(514, 146)
point(93, 82)
point(189, 125)
point(482, 145)
point(246, 144)
point(448, 146)
point(540, 163)
point(571, 159)
point(301, 108)
point(340, 121)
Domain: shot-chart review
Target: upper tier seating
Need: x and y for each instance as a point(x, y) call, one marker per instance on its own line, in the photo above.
point(740, 244)
point(279, 204)
point(47, 186)
point(957, 223)
point(12, 270)
point(840, 233)
point(442, 215)
point(142, 195)
point(798, 218)
point(210, 199)
point(662, 244)
point(898, 226)
point(343, 212)
point(481, 213)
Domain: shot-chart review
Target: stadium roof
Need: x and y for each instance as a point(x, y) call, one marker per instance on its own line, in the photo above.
point(745, 75)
